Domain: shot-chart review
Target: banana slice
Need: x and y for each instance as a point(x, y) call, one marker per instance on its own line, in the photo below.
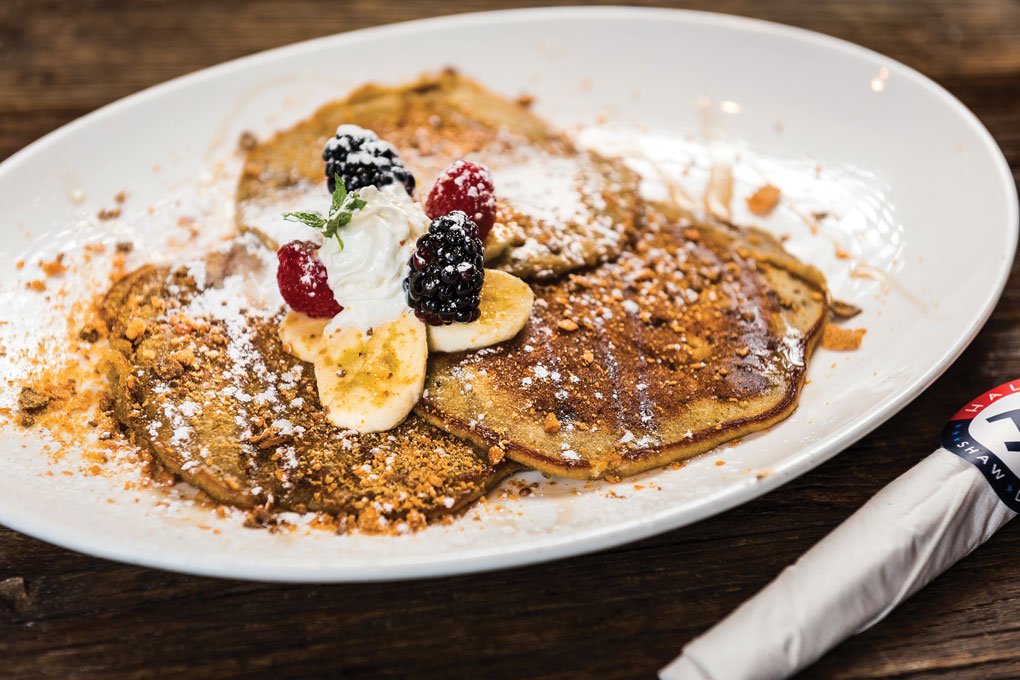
point(505, 309)
point(301, 335)
point(368, 383)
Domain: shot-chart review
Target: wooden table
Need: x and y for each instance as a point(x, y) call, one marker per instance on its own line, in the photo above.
point(621, 613)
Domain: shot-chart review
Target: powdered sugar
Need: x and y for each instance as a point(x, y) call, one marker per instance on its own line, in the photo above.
point(543, 187)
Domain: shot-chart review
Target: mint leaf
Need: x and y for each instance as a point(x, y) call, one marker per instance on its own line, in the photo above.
point(311, 219)
point(339, 194)
point(342, 206)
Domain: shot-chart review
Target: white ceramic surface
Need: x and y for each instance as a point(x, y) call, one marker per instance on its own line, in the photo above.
point(920, 199)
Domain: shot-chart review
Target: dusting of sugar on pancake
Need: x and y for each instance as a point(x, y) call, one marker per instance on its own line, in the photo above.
point(247, 413)
point(627, 355)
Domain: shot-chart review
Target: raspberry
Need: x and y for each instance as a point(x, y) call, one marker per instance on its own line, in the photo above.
point(467, 187)
point(445, 281)
point(361, 160)
point(303, 282)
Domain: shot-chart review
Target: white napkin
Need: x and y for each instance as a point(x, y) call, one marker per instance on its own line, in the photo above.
point(909, 533)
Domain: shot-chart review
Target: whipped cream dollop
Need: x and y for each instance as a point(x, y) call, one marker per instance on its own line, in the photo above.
point(367, 275)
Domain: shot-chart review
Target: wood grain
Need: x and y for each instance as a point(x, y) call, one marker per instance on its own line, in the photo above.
point(616, 614)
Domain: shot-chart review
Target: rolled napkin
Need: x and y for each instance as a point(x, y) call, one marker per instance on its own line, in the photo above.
point(910, 532)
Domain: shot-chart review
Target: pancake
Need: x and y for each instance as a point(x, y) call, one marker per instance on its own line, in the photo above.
point(699, 335)
point(558, 208)
point(200, 377)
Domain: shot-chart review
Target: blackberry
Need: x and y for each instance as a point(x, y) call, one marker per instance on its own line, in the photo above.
point(362, 160)
point(445, 281)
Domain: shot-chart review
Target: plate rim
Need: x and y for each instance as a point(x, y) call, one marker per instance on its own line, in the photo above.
point(555, 547)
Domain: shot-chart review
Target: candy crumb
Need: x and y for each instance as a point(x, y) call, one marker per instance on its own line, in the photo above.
point(842, 339)
point(764, 200)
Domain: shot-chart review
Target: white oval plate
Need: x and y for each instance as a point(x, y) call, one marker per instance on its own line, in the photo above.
point(920, 197)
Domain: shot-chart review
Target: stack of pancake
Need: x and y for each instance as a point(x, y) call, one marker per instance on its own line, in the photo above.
point(653, 338)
